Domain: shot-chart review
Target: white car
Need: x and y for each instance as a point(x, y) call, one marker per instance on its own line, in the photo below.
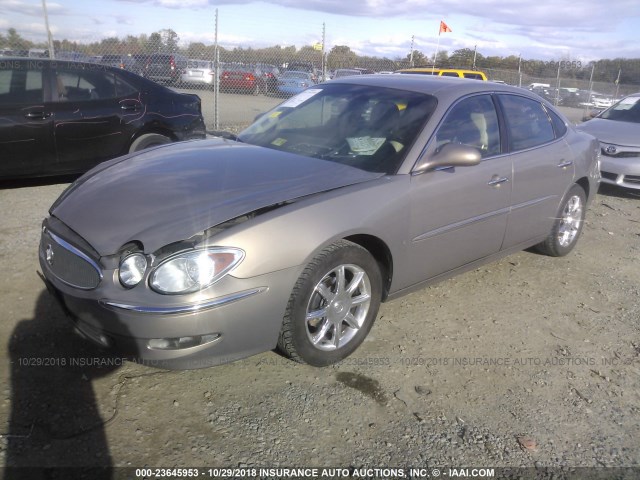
point(618, 130)
point(601, 101)
point(200, 72)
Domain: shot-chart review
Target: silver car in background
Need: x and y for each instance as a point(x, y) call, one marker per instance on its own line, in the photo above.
point(353, 192)
point(198, 72)
point(618, 129)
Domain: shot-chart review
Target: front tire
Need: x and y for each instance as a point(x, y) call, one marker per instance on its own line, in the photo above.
point(568, 224)
point(333, 305)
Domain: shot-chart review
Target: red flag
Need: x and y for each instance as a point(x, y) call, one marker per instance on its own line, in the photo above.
point(444, 28)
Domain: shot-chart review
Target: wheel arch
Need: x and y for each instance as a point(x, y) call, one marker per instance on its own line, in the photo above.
point(152, 129)
point(381, 253)
point(584, 183)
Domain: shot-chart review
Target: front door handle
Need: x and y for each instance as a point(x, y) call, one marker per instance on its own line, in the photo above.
point(37, 115)
point(129, 106)
point(565, 164)
point(496, 181)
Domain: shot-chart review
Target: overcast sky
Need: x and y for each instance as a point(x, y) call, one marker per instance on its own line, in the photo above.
point(536, 29)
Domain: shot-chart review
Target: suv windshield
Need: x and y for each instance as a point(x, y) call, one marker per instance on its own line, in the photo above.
point(370, 128)
point(626, 110)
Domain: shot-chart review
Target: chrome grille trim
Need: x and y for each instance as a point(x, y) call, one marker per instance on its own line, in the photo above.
point(191, 308)
point(78, 253)
point(622, 155)
point(632, 178)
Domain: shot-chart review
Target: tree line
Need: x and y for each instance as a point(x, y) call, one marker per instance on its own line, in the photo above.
point(620, 70)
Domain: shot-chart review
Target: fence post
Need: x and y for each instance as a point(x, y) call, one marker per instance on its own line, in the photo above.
point(555, 102)
point(216, 78)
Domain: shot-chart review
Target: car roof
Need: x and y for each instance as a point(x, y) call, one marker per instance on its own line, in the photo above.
point(435, 85)
point(57, 61)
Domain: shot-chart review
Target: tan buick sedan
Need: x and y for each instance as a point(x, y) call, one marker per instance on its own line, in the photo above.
point(288, 236)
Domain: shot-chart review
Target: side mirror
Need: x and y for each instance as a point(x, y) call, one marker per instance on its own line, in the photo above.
point(450, 155)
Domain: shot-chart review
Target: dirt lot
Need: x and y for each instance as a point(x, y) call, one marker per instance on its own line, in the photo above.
point(528, 362)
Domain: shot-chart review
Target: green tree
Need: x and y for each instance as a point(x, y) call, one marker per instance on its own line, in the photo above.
point(309, 54)
point(170, 40)
point(15, 41)
point(110, 45)
point(154, 43)
point(417, 60)
point(199, 50)
point(442, 59)
point(463, 58)
point(341, 56)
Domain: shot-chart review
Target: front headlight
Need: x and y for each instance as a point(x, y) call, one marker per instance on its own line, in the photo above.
point(194, 270)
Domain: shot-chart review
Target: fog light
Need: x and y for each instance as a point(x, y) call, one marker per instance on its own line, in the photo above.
point(93, 334)
point(132, 269)
point(179, 343)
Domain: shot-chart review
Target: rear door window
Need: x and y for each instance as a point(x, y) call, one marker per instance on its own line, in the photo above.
point(75, 84)
point(528, 124)
point(19, 86)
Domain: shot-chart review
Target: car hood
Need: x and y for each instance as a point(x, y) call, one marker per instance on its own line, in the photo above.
point(173, 192)
point(613, 131)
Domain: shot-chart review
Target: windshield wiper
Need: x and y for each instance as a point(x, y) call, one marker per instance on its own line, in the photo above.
point(224, 134)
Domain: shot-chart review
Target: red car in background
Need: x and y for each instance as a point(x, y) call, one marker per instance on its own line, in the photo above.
point(255, 79)
point(241, 79)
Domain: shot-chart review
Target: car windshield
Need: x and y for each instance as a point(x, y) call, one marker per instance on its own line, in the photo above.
point(347, 73)
point(626, 110)
point(370, 128)
point(198, 64)
point(302, 75)
point(239, 68)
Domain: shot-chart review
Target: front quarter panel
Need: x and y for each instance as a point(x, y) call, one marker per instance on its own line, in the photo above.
point(586, 153)
point(292, 235)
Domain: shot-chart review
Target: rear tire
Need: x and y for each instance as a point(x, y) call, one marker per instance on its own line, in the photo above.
point(333, 305)
point(148, 140)
point(568, 224)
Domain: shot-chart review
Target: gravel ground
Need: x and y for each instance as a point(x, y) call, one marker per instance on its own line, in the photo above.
point(527, 362)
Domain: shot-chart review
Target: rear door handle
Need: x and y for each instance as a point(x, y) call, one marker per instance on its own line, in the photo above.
point(496, 181)
point(129, 106)
point(37, 115)
point(564, 164)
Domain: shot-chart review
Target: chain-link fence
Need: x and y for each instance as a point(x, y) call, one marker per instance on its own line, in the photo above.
point(237, 83)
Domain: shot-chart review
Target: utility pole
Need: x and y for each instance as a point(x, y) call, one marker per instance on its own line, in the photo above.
point(411, 53)
point(324, 65)
point(52, 54)
point(475, 52)
point(216, 76)
point(617, 82)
